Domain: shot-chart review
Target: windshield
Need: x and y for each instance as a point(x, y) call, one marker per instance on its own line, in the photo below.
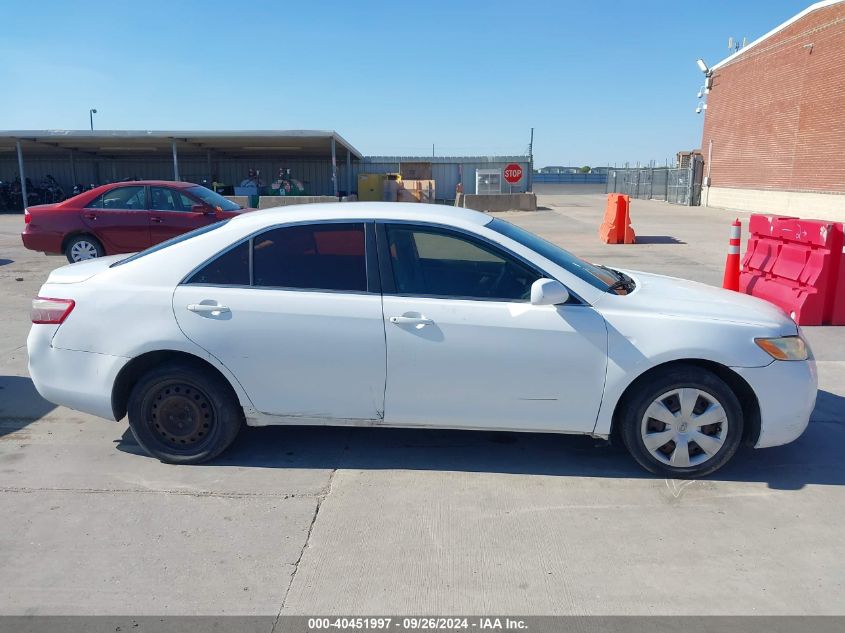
point(213, 199)
point(170, 242)
point(600, 278)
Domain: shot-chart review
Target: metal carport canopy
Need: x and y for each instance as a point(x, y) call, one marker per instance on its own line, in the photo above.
point(139, 143)
point(113, 144)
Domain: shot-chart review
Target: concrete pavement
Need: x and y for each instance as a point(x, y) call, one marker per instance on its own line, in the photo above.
point(305, 520)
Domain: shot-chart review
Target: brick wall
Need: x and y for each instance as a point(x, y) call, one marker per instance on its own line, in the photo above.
point(776, 114)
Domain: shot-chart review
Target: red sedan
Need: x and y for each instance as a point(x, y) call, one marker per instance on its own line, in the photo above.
point(122, 217)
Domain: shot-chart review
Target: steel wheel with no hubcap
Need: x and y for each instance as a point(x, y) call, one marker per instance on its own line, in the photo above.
point(684, 427)
point(180, 416)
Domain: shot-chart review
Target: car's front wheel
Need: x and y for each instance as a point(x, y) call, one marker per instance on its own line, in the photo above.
point(83, 247)
point(683, 422)
point(183, 413)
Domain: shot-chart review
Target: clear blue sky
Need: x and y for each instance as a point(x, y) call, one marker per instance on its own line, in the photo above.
point(601, 82)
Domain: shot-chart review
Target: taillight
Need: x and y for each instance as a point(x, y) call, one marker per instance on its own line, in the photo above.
point(27, 216)
point(51, 311)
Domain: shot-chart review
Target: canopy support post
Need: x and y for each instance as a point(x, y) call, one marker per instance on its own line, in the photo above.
point(25, 199)
point(348, 173)
point(175, 161)
point(334, 167)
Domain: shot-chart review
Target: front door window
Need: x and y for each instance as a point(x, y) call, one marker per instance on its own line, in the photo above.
point(432, 262)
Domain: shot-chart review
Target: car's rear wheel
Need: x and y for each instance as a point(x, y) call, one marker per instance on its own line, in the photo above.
point(184, 414)
point(682, 422)
point(83, 247)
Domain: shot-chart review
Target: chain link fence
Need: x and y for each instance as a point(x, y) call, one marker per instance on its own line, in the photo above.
point(678, 185)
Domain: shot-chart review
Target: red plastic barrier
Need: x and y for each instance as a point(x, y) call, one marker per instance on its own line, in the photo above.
point(796, 264)
point(838, 316)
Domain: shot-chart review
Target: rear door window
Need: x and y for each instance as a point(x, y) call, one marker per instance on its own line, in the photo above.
point(228, 269)
point(314, 257)
point(132, 198)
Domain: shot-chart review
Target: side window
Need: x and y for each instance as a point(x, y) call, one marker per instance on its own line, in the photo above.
point(229, 269)
point(96, 203)
point(121, 198)
point(316, 256)
point(187, 202)
point(434, 262)
point(164, 199)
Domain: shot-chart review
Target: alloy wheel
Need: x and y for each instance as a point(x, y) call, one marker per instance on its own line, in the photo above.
point(684, 427)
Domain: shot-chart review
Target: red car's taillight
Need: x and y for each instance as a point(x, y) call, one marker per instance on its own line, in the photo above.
point(51, 311)
point(27, 216)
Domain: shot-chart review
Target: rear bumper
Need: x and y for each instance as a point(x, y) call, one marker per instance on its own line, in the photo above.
point(78, 380)
point(786, 391)
point(44, 242)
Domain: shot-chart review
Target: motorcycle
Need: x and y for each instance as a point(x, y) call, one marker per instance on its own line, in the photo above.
point(5, 196)
point(16, 194)
point(51, 191)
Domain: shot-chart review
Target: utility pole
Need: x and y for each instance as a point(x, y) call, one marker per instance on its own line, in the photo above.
point(531, 162)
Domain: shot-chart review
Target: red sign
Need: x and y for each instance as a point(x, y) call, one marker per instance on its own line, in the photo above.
point(513, 173)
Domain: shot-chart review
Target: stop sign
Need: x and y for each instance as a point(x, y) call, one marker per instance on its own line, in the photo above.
point(513, 173)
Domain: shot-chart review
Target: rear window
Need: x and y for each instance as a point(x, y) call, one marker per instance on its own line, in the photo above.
point(131, 198)
point(173, 240)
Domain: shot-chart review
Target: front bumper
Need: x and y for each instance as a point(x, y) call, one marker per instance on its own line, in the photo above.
point(77, 380)
point(786, 392)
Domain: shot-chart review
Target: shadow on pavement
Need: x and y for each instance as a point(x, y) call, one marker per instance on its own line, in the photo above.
point(3, 262)
point(658, 239)
point(20, 404)
point(815, 458)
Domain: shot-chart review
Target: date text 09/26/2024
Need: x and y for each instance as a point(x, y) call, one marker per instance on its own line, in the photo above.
point(416, 623)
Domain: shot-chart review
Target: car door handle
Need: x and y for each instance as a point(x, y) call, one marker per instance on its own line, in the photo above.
point(208, 308)
point(156, 219)
point(90, 216)
point(406, 320)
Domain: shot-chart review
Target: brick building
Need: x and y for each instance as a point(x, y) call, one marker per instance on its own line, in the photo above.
point(774, 127)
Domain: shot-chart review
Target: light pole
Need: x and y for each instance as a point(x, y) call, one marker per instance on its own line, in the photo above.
point(531, 162)
point(91, 114)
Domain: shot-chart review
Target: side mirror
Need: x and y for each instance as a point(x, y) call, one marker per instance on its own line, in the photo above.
point(548, 292)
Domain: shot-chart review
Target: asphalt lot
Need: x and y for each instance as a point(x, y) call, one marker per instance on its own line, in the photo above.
point(298, 520)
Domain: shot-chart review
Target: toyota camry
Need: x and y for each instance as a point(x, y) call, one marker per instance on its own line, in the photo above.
point(413, 315)
point(122, 217)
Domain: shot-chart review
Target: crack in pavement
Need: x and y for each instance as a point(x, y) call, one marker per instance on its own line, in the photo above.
point(320, 499)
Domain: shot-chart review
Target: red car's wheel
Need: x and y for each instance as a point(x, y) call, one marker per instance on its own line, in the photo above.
point(83, 247)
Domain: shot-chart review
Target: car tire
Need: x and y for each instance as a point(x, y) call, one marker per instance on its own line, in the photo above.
point(673, 404)
point(183, 413)
point(83, 247)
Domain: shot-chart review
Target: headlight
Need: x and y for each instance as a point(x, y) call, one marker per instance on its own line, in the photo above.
point(784, 348)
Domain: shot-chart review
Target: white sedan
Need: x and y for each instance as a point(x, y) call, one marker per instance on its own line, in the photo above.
point(411, 315)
